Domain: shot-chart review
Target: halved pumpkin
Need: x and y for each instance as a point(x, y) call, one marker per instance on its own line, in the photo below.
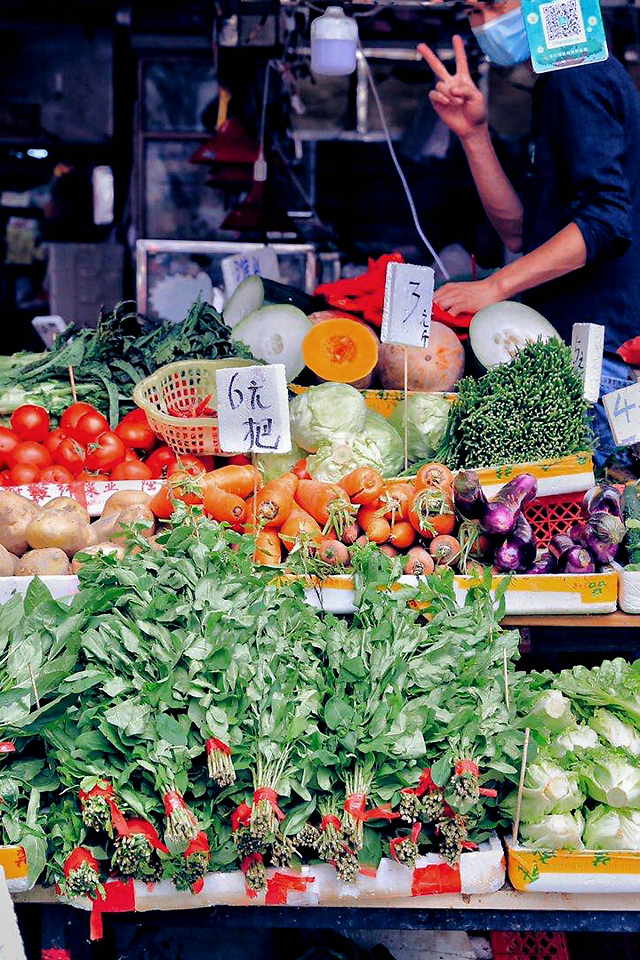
point(340, 350)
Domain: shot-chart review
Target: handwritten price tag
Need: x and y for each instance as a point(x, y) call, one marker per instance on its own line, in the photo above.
point(623, 412)
point(237, 268)
point(408, 299)
point(587, 348)
point(253, 409)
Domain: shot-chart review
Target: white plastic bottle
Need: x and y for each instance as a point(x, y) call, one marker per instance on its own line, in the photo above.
point(334, 40)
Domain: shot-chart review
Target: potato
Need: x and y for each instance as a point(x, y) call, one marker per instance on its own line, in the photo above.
point(435, 369)
point(8, 562)
point(123, 499)
point(94, 550)
point(49, 562)
point(69, 505)
point(59, 528)
point(16, 513)
point(102, 529)
point(135, 514)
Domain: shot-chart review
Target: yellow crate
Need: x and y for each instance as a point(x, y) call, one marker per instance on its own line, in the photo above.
point(573, 871)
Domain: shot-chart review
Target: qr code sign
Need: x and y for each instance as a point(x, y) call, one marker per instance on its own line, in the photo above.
point(562, 23)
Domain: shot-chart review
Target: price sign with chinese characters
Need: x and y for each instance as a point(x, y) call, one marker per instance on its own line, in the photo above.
point(408, 299)
point(253, 409)
point(623, 412)
point(587, 348)
point(238, 267)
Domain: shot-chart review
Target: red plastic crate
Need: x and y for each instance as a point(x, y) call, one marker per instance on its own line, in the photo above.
point(525, 944)
point(551, 515)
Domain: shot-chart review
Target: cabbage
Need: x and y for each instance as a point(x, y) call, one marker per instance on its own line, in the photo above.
point(547, 789)
point(426, 423)
point(326, 413)
point(551, 712)
point(560, 831)
point(610, 829)
point(273, 465)
point(574, 740)
point(615, 731)
point(611, 777)
point(377, 445)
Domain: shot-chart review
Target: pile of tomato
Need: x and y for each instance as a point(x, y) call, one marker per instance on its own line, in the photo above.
point(84, 448)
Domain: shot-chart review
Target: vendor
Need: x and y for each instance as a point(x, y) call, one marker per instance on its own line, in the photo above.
point(578, 225)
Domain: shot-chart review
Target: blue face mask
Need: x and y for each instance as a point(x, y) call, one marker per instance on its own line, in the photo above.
point(504, 40)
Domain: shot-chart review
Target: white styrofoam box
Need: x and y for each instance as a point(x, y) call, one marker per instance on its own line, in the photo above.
point(629, 590)
point(58, 586)
point(92, 495)
point(551, 486)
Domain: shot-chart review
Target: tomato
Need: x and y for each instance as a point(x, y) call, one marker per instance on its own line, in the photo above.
point(72, 414)
point(131, 470)
point(30, 422)
point(54, 440)
point(29, 452)
point(105, 452)
point(85, 476)
point(24, 473)
point(209, 461)
point(160, 461)
point(238, 459)
point(131, 455)
point(135, 416)
point(56, 474)
point(136, 436)
point(8, 442)
point(187, 463)
point(89, 427)
point(71, 455)
point(5, 478)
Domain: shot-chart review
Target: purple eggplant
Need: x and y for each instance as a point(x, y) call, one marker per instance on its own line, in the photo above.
point(578, 560)
point(519, 549)
point(605, 499)
point(468, 496)
point(605, 533)
point(578, 532)
point(545, 562)
point(502, 512)
point(560, 545)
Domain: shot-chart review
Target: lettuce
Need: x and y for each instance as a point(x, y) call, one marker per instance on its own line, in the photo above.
point(560, 831)
point(547, 789)
point(273, 465)
point(574, 740)
point(551, 712)
point(615, 731)
point(427, 416)
point(326, 413)
point(611, 777)
point(615, 683)
point(611, 829)
point(377, 445)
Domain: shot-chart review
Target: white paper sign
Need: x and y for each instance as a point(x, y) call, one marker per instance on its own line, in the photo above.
point(408, 300)
point(237, 268)
point(623, 412)
point(49, 328)
point(253, 409)
point(587, 349)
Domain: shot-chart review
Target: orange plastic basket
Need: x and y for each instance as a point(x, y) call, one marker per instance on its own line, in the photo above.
point(181, 387)
point(551, 515)
point(528, 945)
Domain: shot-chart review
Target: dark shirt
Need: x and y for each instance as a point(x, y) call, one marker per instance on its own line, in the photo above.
point(586, 169)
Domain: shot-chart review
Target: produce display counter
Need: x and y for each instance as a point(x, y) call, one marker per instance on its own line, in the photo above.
point(505, 910)
point(600, 620)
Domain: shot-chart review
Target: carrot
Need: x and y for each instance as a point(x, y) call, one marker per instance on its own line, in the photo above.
point(431, 512)
point(363, 485)
point(239, 479)
point(402, 534)
point(388, 549)
point(395, 499)
point(444, 549)
point(161, 504)
point(327, 503)
point(350, 534)
point(334, 552)
point(268, 550)
point(434, 475)
point(419, 562)
point(223, 506)
point(274, 502)
point(376, 528)
point(300, 470)
point(299, 525)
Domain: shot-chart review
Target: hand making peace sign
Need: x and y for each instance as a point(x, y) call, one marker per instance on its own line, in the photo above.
point(456, 98)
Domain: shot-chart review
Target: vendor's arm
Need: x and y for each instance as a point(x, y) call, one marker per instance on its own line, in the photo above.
point(460, 104)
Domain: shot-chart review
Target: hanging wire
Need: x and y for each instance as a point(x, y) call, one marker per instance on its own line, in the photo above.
point(400, 171)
